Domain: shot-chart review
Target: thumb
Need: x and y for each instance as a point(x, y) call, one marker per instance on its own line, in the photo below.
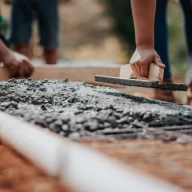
point(158, 62)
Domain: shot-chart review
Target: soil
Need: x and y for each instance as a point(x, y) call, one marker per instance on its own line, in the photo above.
point(76, 109)
point(171, 162)
point(18, 175)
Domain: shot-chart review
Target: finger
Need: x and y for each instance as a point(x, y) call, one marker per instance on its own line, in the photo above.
point(26, 70)
point(13, 70)
point(134, 69)
point(145, 70)
point(22, 69)
point(29, 69)
point(138, 66)
point(13, 73)
point(159, 63)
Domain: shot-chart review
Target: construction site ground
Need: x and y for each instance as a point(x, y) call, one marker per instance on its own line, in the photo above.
point(169, 161)
point(19, 175)
point(151, 136)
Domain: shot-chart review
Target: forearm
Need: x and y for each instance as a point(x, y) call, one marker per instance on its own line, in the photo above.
point(4, 51)
point(144, 16)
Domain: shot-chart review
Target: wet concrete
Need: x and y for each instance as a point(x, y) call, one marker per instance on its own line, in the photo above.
point(76, 109)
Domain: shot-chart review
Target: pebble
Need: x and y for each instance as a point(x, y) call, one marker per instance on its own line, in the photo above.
point(74, 109)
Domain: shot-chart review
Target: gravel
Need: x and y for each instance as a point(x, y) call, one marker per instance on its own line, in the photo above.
point(76, 109)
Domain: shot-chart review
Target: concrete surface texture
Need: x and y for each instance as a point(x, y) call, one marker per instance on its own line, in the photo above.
point(77, 109)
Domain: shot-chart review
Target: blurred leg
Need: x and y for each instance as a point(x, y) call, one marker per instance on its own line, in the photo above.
point(187, 12)
point(21, 26)
point(161, 46)
point(23, 49)
point(51, 56)
point(161, 35)
point(48, 23)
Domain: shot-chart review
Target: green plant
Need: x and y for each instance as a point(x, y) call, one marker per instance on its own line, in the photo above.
point(120, 12)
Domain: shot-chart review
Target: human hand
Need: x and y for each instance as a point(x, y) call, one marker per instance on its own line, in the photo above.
point(142, 58)
point(17, 64)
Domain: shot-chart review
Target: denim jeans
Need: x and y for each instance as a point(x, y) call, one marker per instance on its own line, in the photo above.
point(161, 32)
point(24, 12)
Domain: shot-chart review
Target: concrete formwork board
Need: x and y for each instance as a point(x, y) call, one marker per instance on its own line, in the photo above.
point(74, 73)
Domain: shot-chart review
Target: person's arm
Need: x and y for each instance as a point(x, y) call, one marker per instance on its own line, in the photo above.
point(17, 64)
point(145, 54)
point(64, 1)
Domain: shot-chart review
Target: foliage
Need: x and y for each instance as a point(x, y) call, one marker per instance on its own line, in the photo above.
point(120, 12)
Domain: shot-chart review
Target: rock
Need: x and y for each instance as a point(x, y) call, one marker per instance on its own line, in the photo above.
point(69, 107)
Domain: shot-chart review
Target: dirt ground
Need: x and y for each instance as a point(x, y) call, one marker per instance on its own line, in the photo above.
point(18, 175)
point(171, 162)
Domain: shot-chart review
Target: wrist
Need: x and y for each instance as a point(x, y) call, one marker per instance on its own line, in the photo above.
point(5, 53)
point(6, 57)
point(145, 46)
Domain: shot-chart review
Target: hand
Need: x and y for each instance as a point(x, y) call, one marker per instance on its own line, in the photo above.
point(17, 64)
point(142, 58)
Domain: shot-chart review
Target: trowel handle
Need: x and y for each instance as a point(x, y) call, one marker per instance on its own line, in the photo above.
point(155, 73)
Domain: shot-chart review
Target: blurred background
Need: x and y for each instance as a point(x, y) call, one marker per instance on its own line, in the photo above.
point(102, 31)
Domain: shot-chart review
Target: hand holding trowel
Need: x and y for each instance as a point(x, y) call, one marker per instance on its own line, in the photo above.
point(155, 73)
point(144, 19)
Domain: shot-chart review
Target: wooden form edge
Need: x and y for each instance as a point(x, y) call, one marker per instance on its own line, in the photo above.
point(82, 168)
point(73, 73)
point(155, 73)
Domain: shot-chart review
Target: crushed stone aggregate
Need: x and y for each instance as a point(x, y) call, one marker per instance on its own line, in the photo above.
point(77, 109)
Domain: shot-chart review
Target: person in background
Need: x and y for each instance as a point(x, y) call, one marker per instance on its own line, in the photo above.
point(161, 43)
point(17, 64)
point(23, 13)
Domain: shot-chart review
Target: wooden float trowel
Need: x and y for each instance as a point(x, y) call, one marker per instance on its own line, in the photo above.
point(155, 80)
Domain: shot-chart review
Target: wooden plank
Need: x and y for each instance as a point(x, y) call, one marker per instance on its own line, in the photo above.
point(155, 73)
point(74, 73)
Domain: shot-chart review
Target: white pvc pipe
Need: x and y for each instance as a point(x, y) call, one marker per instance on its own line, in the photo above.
point(38, 145)
point(85, 169)
point(90, 171)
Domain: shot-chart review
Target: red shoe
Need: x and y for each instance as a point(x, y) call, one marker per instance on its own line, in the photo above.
point(189, 95)
point(164, 95)
point(188, 81)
